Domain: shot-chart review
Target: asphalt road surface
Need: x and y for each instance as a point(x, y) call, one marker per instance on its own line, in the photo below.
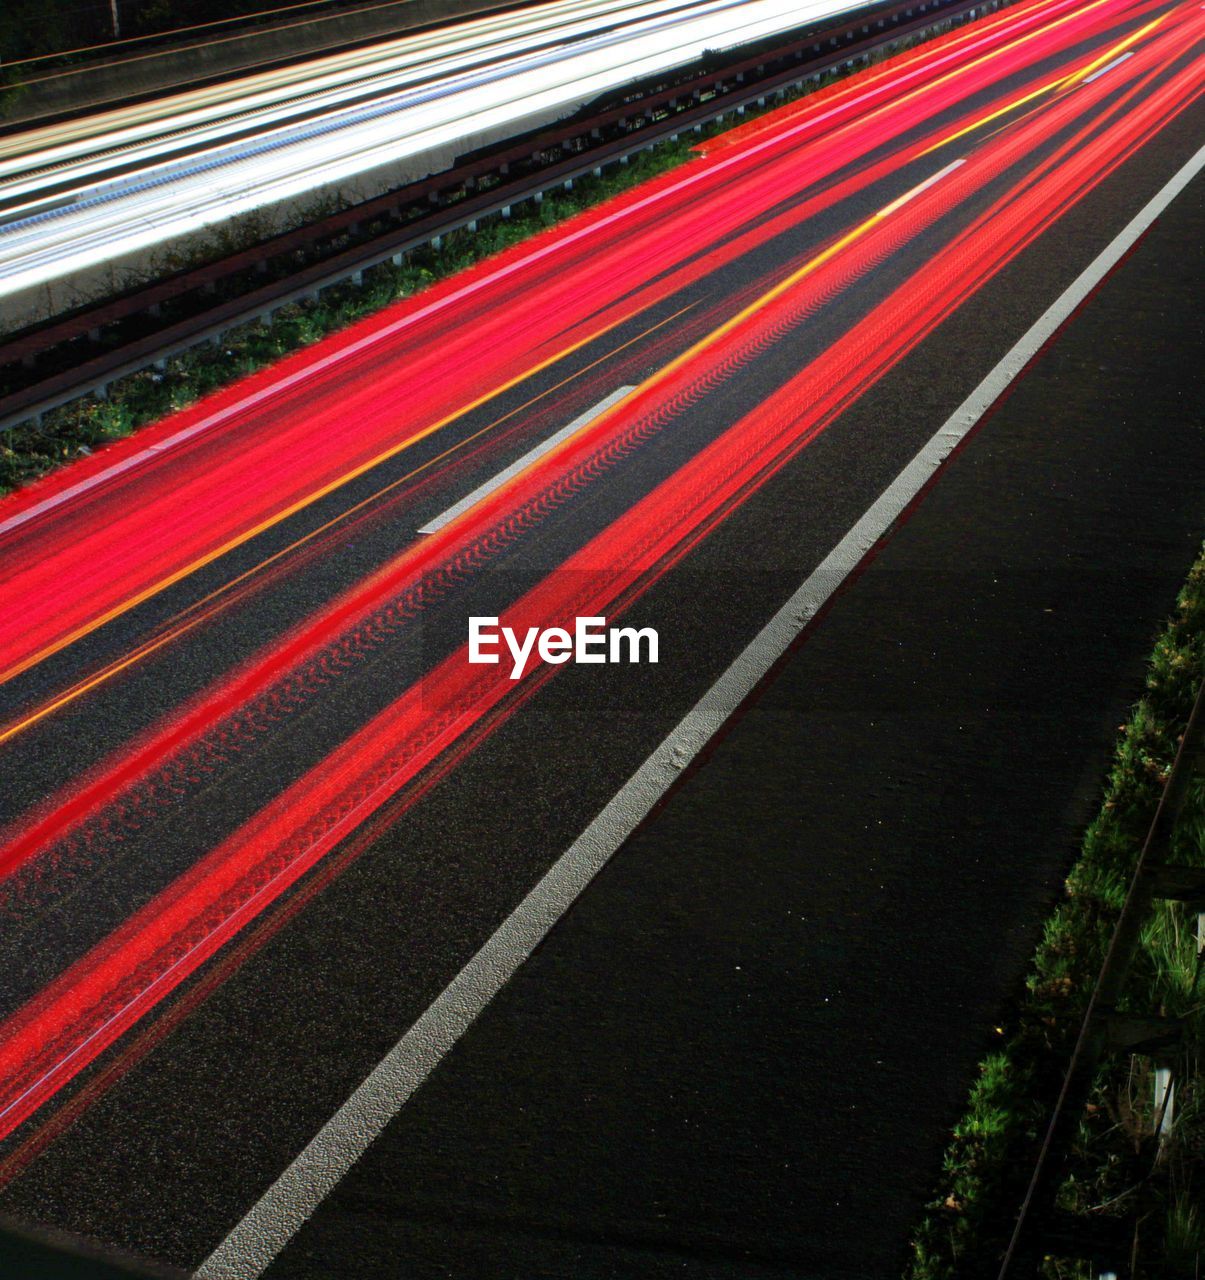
point(261, 811)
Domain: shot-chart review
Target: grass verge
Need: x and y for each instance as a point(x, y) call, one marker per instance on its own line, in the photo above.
point(1120, 1168)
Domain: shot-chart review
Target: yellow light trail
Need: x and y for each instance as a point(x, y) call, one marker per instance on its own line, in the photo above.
point(994, 115)
point(1109, 54)
point(1055, 84)
point(758, 304)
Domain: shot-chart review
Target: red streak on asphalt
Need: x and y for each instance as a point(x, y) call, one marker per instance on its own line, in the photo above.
point(277, 437)
point(106, 991)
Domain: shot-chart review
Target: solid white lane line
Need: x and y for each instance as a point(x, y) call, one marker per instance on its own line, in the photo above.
point(1109, 66)
point(273, 1220)
point(484, 490)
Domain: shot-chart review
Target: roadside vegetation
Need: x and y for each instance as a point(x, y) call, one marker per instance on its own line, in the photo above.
point(1123, 1174)
point(33, 449)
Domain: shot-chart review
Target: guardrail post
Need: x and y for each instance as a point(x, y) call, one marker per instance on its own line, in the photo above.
point(1165, 1104)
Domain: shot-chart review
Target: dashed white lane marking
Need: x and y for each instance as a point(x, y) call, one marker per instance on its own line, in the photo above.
point(1110, 65)
point(490, 486)
point(930, 181)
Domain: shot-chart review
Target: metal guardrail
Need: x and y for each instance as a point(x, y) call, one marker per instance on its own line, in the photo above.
point(1104, 1027)
point(579, 145)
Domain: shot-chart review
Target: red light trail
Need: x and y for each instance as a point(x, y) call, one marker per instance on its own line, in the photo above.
point(139, 532)
point(1004, 168)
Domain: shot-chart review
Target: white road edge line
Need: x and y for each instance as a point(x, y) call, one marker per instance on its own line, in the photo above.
point(273, 1220)
point(490, 486)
